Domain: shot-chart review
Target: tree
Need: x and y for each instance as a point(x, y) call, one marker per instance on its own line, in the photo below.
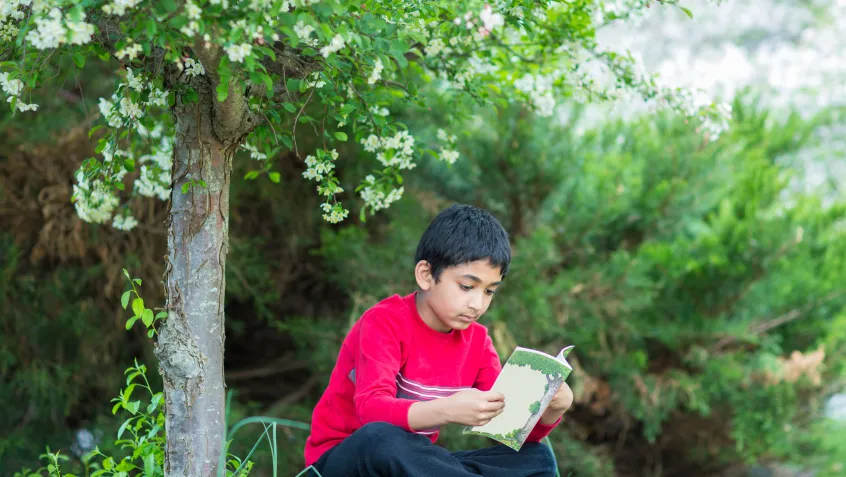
point(198, 80)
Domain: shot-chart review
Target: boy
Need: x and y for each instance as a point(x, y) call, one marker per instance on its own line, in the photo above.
point(414, 363)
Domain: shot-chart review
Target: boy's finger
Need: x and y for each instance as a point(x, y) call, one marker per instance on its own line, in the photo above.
point(494, 396)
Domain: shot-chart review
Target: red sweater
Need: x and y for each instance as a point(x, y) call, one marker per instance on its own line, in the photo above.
point(389, 360)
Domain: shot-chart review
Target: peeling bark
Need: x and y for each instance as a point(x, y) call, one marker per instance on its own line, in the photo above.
point(191, 340)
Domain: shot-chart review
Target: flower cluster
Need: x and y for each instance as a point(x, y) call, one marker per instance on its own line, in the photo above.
point(334, 46)
point(448, 154)
point(395, 151)
point(93, 200)
point(193, 67)
point(375, 196)
point(254, 152)
point(124, 222)
point(376, 74)
point(538, 88)
point(119, 7)
point(237, 53)
point(320, 166)
point(334, 213)
point(13, 88)
point(320, 169)
point(194, 13)
point(303, 32)
point(55, 29)
point(155, 177)
point(123, 110)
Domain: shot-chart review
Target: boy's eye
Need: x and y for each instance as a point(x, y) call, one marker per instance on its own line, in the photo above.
point(465, 287)
point(490, 292)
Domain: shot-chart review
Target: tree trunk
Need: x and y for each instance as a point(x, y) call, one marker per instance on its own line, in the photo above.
point(191, 341)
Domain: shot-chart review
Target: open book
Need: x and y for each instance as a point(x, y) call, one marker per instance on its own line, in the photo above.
point(529, 380)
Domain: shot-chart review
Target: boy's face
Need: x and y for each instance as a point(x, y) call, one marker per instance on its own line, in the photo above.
point(461, 295)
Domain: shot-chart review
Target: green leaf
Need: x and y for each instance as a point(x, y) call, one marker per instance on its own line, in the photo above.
point(123, 427)
point(119, 185)
point(251, 175)
point(108, 463)
point(151, 27)
point(274, 177)
point(170, 5)
point(124, 299)
point(131, 322)
point(115, 408)
point(687, 11)
point(78, 60)
point(151, 333)
point(138, 306)
point(341, 136)
point(160, 315)
point(287, 142)
point(222, 91)
point(289, 107)
point(149, 464)
point(190, 96)
point(147, 317)
point(94, 129)
point(133, 406)
point(137, 281)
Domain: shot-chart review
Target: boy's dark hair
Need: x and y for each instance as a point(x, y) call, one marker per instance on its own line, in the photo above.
point(461, 234)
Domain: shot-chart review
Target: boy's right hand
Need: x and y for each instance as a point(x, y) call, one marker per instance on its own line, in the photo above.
point(473, 407)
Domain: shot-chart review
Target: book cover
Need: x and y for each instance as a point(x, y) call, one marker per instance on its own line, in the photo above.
point(528, 380)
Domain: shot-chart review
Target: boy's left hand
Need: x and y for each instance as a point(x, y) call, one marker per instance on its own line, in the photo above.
point(560, 403)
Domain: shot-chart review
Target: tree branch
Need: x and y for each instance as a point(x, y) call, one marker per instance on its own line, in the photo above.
point(764, 326)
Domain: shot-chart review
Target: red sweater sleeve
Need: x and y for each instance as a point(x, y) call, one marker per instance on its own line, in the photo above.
point(378, 362)
point(486, 377)
point(489, 368)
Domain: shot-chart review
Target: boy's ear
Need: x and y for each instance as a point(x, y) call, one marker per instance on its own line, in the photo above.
point(423, 275)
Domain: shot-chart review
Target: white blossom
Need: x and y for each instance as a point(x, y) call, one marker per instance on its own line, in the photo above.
point(376, 74)
point(435, 47)
point(155, 177)
point(254, 152)
point(333, 214)
point(130, 51)
point(237, 53)
point(129, 109)
point(124, 222)
point(490, 19)
point(93, 201)
point(303, 32)
point(395, 151)
point(376, 198)
point(193, 67)
point(119, 7)
point(334, 46)
point(134, 82)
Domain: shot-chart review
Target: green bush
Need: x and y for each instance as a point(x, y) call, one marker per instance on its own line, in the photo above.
point(685, 272)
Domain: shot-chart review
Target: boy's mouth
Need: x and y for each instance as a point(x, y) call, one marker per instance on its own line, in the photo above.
point(468, 318)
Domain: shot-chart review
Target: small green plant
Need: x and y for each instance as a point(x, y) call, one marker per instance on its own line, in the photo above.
point(138, 309)
point(53, 468)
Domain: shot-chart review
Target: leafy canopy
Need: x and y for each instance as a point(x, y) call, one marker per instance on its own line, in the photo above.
point(333, 68)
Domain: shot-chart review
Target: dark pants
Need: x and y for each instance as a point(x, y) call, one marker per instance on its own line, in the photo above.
point(380, 449)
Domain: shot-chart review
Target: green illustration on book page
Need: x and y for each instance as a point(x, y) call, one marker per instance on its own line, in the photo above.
point(529, 381)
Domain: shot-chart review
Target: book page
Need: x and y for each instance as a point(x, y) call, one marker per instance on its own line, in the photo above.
point(529, 381)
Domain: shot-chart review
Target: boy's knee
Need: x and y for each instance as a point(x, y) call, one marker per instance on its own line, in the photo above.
point(380, 443)
point(541, 458)
point(375, 431)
